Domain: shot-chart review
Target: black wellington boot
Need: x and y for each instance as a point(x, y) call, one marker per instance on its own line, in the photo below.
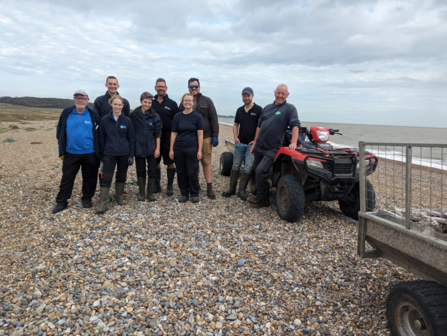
point(157, 186)
point(141, 186)
point(233, 183)
point(170, 172)
point(243, 185)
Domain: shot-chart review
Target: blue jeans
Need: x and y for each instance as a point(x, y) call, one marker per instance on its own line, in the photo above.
point(242, 152)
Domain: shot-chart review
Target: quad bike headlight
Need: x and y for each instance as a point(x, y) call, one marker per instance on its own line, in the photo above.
point(323, 135)
point(367, 165)
point(314, 164)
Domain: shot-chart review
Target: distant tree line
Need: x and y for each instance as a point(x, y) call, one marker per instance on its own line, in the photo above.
point(39, 102)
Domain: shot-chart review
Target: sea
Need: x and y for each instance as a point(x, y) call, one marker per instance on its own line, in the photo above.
point(353, 133)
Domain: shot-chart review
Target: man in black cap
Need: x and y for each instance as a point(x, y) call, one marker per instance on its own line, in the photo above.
point(166, 108)
point(244, 130)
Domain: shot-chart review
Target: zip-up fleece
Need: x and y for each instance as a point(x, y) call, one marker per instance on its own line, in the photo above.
point(146, 131)
point(61, 130)
point(205, 106)
point(103, 107)
point(116, 138)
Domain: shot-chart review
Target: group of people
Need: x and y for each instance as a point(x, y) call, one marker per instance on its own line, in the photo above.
point(110, 137)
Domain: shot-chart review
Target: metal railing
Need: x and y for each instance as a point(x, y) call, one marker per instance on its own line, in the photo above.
point(410, 184)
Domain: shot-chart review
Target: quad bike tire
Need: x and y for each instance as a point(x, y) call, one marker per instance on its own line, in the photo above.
point(417, 308)
point(350, 204)
point(225, 164)
point(290, 198)
point(252, 183)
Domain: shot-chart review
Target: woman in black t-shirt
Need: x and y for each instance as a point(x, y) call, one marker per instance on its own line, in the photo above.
point(186, 148)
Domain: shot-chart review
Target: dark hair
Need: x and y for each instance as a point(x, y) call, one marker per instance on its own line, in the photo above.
point(111, 77)
point(146, 95)
point(192, 79)
point(160, 80)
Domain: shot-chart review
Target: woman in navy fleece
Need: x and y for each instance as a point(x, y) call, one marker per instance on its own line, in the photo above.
point(117, 141)
point(147, 126)
point(186, 148)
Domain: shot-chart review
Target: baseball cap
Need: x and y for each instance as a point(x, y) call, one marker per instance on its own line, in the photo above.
point(80, 93)
point(248, 90)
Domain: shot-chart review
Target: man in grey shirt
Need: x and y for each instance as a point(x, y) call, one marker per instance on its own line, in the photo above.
point(272, 126)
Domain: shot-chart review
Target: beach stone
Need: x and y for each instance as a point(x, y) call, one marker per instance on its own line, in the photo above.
point(241, 262)
point(231, 317)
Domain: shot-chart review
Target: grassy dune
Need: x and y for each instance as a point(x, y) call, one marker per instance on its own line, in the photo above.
point(10, 112)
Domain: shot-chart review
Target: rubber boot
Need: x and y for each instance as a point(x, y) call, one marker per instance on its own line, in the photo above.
point(141, 186)
point(157, 186)
point(209, 191)
point(233, 183)
point(104, 195)
point(170, 172)
point(119, 187)
point(150, 188)
point(243, 185)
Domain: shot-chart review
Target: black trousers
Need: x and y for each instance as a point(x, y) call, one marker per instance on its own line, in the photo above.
point(263, 161)
point(140, 163)
point(165, 146)
point(70, 168)
point(109, 167)
point(187, 166)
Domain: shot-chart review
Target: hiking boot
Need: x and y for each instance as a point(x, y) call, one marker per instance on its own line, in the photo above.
point(183, 199)
point(195, 199)
point(150, 188)
point(141, 185)
point(59, 207)
point(209, 191)
point(119, 187)
point(243, 185)
point(104, 195)
point(260, 203)
point(233, 183)
point(170, 172)
point(157, 186)
point(87, 203)
point(251, 199)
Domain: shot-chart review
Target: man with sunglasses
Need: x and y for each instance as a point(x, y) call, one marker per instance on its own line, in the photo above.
point(205, 107)
point(77, 135)
point(166, 108)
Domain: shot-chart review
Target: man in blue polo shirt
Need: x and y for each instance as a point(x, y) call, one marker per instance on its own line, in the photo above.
point(77, 134)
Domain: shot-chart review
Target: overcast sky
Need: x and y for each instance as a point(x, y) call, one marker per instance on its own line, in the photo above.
point(351, 61)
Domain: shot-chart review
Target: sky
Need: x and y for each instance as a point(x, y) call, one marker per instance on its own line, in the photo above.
point(346, 61)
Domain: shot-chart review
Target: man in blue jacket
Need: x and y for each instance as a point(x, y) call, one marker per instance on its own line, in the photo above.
point(77, 134)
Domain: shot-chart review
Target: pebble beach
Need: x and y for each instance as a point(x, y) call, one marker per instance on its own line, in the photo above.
point(218, 267)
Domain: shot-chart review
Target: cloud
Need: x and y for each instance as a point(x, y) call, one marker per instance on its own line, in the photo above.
point(324, 50)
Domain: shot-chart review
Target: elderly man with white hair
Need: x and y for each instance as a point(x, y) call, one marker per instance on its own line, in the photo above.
point(272, 126)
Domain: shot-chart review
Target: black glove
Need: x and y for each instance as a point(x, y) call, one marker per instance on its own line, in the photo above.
point(130, 161)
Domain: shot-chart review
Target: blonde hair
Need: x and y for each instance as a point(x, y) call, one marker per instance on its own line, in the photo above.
point(116, 97)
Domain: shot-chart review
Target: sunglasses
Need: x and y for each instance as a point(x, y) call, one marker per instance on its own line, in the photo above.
point(193, 86)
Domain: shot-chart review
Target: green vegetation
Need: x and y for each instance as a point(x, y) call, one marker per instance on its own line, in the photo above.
point(39, 102)
point(47, 156)
point(30, 129)
point(9, 140)
point(36, 143)
point(49, 129)
point(132, 182)
point(19, 113)
point(14, 127)
point(55, 166)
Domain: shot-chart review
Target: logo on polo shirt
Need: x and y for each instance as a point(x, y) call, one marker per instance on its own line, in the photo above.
point(167, 108)
point(88, 122)
point(123, 126)
point(278, 113)
point(253, 114)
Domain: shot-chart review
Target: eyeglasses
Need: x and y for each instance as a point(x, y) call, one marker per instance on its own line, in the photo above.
point(194, 86)
point(79, 98)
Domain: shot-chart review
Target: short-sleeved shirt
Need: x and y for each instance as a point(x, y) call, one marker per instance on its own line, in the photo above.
point(186, 127)
point(273, 124)
point(248, 122)
point(79, 133)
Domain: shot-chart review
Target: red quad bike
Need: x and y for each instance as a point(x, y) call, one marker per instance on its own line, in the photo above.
point(316, 171)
